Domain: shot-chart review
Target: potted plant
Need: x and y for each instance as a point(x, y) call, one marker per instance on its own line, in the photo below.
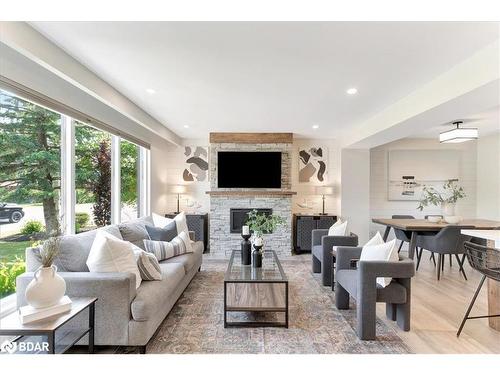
point(452, 192)
point(47, 287)
point(260, 224)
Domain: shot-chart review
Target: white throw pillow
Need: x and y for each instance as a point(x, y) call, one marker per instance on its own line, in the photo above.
point(180, 223)
point(160, 221)
point(110, 254)
point(386, 252)
point(338, 229)
point(375, 240)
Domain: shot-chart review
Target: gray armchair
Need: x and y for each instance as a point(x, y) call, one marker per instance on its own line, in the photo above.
point(322, 247)
point(360, 283)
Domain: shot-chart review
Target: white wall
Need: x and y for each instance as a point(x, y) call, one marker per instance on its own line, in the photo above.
point(488, 177)
point(355, 191)
point(174, 165)
point(380, 206)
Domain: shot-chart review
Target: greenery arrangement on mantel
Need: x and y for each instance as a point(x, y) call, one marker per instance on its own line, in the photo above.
point(432, 197)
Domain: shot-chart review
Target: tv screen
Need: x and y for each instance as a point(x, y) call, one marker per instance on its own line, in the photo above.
point(249, 169)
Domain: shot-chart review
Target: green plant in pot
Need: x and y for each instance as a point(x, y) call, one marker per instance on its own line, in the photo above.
point(452, 193)
point(260, 224)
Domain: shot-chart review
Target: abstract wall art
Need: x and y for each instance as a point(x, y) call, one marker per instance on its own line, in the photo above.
point(410, 170)
point(196, 168)
point(313, 164)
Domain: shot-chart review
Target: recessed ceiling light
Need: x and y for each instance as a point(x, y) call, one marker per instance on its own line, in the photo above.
point(150, 91)
point(186, 126)
point(315, 126)
point(352, 91)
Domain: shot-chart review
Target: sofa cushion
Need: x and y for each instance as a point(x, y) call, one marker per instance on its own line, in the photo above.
point(188, 260)
point(74, 250)
point(112, 255)
point(166, 233)
point(393, 293)
point(135, 231)
point(153, 295)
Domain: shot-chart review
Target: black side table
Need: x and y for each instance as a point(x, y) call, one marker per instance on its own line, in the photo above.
point(11, 326)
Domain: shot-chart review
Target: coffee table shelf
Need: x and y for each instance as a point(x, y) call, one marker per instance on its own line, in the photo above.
point(248, 289)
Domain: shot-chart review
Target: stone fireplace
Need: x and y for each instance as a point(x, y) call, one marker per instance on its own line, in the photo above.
point(226, 204)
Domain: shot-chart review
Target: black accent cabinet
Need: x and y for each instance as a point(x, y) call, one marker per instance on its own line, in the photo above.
point(303, 226)
point(197, 223)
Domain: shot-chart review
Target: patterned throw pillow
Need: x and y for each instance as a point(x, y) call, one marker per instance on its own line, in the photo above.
point(149, 267)
point(165, 250)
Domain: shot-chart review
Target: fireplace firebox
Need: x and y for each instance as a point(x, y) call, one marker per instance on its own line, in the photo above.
point(239, 216)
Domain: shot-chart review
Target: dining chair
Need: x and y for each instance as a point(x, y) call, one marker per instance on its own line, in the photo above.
point(402, 235)
point(448, 241)
point(486, 261)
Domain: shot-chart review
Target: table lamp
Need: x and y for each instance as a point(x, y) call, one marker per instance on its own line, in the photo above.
point(323, 190)
point(178, 189)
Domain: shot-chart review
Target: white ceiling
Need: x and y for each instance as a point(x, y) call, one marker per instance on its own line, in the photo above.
point(278, 76)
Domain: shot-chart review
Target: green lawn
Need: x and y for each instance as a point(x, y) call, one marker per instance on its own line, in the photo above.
point(9, 250)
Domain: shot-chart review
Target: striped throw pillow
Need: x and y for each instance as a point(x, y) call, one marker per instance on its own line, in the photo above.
point(148, 265)
point(165, 250)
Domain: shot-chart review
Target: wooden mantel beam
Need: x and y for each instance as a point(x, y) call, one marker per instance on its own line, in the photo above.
point(253, 138)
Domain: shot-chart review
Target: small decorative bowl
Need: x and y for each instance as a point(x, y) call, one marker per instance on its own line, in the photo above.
point(434, 218)
point(452, 219)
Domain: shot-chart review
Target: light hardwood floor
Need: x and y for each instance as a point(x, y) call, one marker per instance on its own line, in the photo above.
point(438, 308)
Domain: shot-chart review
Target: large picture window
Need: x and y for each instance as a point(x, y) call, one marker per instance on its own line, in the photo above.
point(92, 178)
point(30, 181)
point(50, 164)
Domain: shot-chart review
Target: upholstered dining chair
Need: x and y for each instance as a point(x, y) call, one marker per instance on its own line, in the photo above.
point(402, 235)
point(448, 241)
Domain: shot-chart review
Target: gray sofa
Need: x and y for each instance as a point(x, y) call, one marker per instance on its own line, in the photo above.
point(124, 316)
point(322, 257)
point(360, 283)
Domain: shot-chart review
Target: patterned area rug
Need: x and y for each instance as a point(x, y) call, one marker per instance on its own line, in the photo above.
point(195, 324)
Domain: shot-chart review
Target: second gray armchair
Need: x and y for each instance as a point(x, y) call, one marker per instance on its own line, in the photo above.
point(322, 257)
point(361, 284)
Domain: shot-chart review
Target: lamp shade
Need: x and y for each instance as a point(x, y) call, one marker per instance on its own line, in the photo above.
point(178, 189)
point(323, 190)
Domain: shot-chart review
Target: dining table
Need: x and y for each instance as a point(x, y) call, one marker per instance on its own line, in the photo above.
point(492, 238)
point(415, 226)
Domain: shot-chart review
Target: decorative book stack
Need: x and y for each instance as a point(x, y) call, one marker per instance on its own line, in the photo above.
point(29, 314)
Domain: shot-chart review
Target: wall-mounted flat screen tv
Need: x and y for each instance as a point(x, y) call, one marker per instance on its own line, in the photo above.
point(249, 169)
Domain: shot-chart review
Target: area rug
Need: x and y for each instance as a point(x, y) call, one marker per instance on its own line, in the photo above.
point(195, 324)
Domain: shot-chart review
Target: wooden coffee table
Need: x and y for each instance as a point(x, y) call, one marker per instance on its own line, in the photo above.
point(66, 337)
point(248, 289)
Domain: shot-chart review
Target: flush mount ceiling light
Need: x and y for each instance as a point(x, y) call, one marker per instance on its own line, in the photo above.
point(352, 91)
point(315, 127)
point(458, 134)
point(151, 91)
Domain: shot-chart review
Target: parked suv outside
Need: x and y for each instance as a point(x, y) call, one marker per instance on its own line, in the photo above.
point(11, 211)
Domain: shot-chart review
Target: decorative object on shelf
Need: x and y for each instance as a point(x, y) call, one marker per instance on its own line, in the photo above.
point(323, 190)
point(257, 255)
point(246, 246)
point(260, 223)
point(47, 287)
point(313, 164)
point(458, 135)
point(410, 170)
point(196, 163)
point(446, 199)
point(305, 204)
point(178, 189)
